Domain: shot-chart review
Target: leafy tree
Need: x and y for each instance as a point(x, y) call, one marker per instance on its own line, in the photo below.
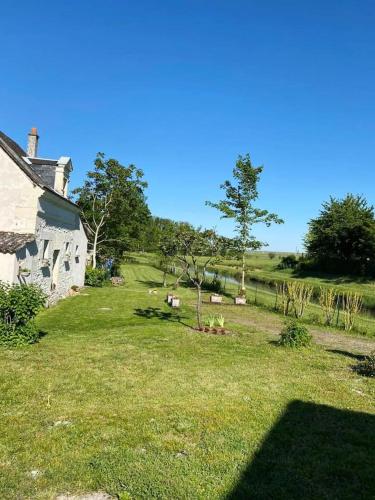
point(113, 207)
point(196, 249)
point(342, 238)
point(239, 205)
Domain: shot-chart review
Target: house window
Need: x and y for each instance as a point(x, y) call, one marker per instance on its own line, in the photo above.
point(55, 269)
point(45, 249)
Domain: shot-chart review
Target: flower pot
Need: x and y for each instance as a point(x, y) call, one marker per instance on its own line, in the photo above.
point(216, 299)
point(175, 302)
point(240, 301)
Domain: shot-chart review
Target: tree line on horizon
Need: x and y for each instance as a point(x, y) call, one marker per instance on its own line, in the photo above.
point(113, 203)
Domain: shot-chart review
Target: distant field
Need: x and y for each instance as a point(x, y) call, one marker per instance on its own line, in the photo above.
point(263, 269)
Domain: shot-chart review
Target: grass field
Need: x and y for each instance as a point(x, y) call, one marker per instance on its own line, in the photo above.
point(121, 395)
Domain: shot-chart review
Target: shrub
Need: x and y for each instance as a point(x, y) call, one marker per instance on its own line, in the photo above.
point(288, 262)
point(19, 304)
point(16, 335)
point(366, 367)
point(295, 335)
point(95, 277)
point(215, 285)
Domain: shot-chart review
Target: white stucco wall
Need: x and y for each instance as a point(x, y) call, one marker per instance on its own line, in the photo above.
point(7, 267)
point(18, 197)
point(26, 208)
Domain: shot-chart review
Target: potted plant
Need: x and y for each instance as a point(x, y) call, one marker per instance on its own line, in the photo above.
point(175, 302)
point(215, 298)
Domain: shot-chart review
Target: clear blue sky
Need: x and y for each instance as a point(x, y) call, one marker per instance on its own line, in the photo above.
point(180, 88)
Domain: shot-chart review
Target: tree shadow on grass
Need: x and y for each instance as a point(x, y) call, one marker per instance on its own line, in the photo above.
point(313, 452)
point(151, 283)
point(157, 313)
point(358, 357)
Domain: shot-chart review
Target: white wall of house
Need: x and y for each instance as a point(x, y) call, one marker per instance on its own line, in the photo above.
point(26, 208)
point(8, 267)
point(18, 197)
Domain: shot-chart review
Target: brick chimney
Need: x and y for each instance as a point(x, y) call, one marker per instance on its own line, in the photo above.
point(32, 143)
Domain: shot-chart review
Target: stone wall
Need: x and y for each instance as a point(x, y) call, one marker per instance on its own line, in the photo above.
point(58, 224)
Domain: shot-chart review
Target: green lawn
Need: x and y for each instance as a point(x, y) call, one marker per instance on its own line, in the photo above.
point(120, 395)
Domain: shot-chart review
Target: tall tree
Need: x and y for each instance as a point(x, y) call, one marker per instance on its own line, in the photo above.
point(113, 207)
point(240, 195)
point(342, 238)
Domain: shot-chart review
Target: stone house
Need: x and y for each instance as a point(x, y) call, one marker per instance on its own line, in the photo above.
point(42, 238)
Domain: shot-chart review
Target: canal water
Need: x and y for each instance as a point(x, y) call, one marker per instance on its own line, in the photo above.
point(257, 286)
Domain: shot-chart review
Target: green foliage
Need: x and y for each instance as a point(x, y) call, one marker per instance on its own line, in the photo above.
point(19, 304)
point(220, 320)
point(95, 277)
point(288, 262)
point(192, 243)
point(342, 238)
point(13, 335)
point(295, 335)
point(366, 367)
point(238, 204)
point(214, 285)
point(113, 207)
point(211, 321)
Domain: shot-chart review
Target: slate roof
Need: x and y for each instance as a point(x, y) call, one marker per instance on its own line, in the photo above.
point(11, 242)
point(18, 154)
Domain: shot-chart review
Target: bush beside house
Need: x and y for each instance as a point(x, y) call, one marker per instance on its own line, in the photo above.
point(19, 305)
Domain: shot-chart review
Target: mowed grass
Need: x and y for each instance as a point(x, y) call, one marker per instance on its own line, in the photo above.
point(121, 395)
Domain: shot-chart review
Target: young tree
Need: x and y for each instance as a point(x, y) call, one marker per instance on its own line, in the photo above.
point(167, 250)
point(239, 205)
point(196, 249)
point(342, 238)
point(113, 207)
